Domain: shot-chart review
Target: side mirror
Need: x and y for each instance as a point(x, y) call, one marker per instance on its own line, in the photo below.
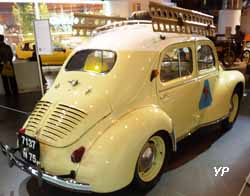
point(154, 74)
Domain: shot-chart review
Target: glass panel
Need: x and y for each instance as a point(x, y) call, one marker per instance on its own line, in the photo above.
point(170, 66)
point(205, 57)
point(97, 61)
point(27, 46)
point(186, 61)
point(176, 63)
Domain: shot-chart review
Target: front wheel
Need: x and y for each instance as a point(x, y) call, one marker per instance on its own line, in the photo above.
point(234, 111)
point(151, 162)
point(228, 57)
point(246, 56)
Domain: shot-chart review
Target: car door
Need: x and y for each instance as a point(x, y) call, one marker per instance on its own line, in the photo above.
point(59, 55)
point(208, 74)
point(177, 86)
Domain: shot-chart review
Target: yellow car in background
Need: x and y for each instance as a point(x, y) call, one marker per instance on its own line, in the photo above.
point(25, 50)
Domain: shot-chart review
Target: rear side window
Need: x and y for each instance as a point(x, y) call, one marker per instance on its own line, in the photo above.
point(97, 61)
point(176, 63)
point(27, 46)
point(205, 57)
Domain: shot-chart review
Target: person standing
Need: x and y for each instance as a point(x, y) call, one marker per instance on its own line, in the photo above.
point(238, 37)
point(7, 68)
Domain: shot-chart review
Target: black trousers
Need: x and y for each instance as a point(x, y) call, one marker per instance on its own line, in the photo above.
point(238, 50)
point(10, 85)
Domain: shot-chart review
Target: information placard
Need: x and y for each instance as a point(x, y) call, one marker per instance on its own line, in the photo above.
point(43, 37)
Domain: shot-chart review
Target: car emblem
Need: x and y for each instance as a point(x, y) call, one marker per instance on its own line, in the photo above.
point(74, 82)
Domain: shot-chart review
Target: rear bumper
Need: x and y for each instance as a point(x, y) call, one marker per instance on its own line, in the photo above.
point(65, 183)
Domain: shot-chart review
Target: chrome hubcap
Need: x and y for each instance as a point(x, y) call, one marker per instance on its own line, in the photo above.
point(151, 159)
point(147, 158)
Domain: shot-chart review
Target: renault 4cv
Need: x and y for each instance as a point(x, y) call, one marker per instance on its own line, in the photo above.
point(122, 102)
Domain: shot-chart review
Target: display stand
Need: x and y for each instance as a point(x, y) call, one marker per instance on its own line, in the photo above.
point(43, 44)
point(25, 84)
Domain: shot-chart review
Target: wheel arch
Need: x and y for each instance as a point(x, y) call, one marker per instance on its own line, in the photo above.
point(240, 88)
point(121, 145)
point(169, 137)
point(234, 80)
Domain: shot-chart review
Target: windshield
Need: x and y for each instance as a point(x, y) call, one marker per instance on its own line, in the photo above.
point(97, 61)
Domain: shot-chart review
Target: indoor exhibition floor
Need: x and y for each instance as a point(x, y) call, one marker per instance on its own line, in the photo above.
point(190, 173)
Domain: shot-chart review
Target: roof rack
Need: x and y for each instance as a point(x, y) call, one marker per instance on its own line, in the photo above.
point(179, 20)
point(140, 15)
point(84, 24)
point(121, 23)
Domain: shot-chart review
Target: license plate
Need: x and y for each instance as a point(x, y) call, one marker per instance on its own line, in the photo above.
point(29, 148)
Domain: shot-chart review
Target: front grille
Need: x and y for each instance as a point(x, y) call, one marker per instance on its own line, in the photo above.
point(37, 115)
point(61, 122)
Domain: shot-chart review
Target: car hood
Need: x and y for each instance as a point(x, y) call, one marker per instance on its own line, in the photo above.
point(69, 110)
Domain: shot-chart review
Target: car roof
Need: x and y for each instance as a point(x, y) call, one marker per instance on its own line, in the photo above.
point(136, 37)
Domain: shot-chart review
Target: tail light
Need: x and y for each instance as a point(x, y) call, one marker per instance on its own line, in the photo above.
point(77, 155)
point(22, 131)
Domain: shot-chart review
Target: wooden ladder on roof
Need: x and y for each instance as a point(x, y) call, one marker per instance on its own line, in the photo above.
point(178, 20)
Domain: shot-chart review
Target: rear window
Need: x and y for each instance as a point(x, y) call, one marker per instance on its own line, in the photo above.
point(97, 61)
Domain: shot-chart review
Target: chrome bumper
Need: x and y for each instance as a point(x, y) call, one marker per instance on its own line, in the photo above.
point(69, 184)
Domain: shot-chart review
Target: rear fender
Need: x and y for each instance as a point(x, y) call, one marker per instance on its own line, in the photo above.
point(109, 164)
point(235, 79)
point(224, 88)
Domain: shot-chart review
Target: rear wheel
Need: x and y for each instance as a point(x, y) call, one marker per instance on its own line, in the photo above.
point(234, 111)
point(151, 162)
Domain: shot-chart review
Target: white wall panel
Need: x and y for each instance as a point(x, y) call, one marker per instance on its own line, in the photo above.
point(228, 18)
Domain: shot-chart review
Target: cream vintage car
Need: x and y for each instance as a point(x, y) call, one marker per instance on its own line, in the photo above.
point(119, 106)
